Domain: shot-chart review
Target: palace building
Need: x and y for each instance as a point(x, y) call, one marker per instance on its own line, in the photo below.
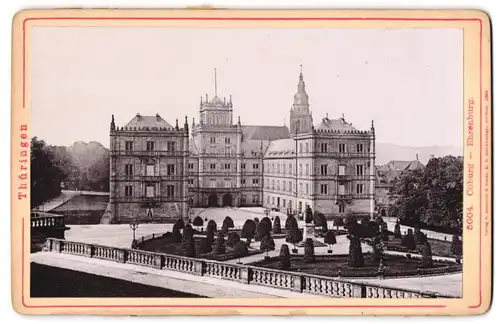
point(329, 166)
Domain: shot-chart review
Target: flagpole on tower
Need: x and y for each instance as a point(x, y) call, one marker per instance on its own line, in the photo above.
point(216, 81)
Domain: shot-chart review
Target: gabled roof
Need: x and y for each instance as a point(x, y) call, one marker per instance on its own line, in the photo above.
point(265, 133)
point(252, 147)
point(398, 165)
point(334, 124)
point(148, 121)
point(283, 147)
point(413, 165)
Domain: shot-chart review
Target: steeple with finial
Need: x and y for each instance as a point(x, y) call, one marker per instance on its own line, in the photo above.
point(177, 124)
point(300, 118)
point(186, 126)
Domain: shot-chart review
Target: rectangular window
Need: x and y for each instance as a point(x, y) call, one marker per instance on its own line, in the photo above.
point(267, 199)
point(300, 150)
point(359, 188)
point(128, 191)
point(324, 147)
point(243, 166)
point(170, 169)
point(190, 182)
point(267, 183)
point(273, 167)
point(212, 183)
point(300, 187)
point(284, 185)
point(243, 181)
point(212, 140)
point(278, 185)
point(227, 140)
point(128, 169)
point(359, 169)
point(341, 208)
point(300, 206)
point(150, 191)
point(191, 166)
point(341, 190)
point(324, 169)
point(341, 170)
point(227, 183)
point(128, 146)
point(300, 169)
point(272, 184)
point(256, 166)
point(307, 147)
point(150, 170)
point(307, 169)
point(170, 191)
point(255, 181)
point(289, 185)
point(170, 146)
point(278, 168)
point(212, 166)
point(307, 188)
point(150, 146)
point(324, 189)
point(227, 166)
point(342, 148)
point(290, 168)
point(359, 148)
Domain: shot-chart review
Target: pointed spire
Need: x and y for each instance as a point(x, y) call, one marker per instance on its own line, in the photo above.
point(112, 126)
point(224, 101)
point(372, 125)
point(206, 97)
point(177, 124)
point(193, 122)
point(216, 81)
point(186, 126)
point(239, 121)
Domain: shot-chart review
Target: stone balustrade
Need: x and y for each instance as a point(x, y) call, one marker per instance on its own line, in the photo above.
point(45, 220)
point(252, 275)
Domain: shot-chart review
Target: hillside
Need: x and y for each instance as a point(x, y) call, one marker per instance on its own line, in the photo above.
point(386, 152)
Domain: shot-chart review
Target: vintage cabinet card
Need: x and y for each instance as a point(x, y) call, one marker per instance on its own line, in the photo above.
point(251, 162)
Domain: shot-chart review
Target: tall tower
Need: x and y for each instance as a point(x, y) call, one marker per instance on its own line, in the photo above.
point(300, 116)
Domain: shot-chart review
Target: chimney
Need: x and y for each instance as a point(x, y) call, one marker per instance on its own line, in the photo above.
point(158, 118)
point(138, 116)
point(417, 156)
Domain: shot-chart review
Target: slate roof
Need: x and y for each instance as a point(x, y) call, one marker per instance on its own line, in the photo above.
point(265, 133)
point(334, 124)
point(252, 147)
point(283, 147)
point(148, 121)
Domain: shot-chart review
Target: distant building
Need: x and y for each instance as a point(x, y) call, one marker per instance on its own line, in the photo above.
point(329, 166)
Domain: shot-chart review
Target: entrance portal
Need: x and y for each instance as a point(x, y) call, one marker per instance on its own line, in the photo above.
point(227, 200)
point(213, 201)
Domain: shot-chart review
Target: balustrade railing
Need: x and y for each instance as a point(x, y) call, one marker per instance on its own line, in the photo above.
point(46, 220)
point(295, 281)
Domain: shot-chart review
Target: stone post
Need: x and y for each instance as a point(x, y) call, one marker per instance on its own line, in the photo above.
point(297, 283)
point(89, 250)
point(245, 275)
point(358, 291)
point(198, 267)
point(158, 261)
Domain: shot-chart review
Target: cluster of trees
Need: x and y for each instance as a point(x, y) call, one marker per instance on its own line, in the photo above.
point(431, 197)
point(82, 166)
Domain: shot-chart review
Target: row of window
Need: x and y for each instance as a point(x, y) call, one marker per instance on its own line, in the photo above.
point(150, 169)
point(213, 140)
point(227, 183)
point(342, 148)
point(225, 166)
point(270, 168)
point(150, 191)
point(150, 146)
point(255, 199)
point(323, 187)
point(282, 202)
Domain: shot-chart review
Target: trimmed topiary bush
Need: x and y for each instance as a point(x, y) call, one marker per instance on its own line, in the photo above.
point(277, 225)
point(320, 220)
point(379, 220)
point(290, 222)
point(256, 220)
point(294, 236)
point(210, 236)
point(338, 222)
point(427, 255)
point(240, 250)
point(224, 229)
point(189, 249)
point(330, 239)
point(220, 246)
point(267, 220)
point(176, 232)
point(409, 240)
point(309, 251)
point(198, 222)
point(205, 247)
point(267, 244)
point(232, 239)
point(284, 257)
point(212, 224)
point(263, 229)
point(397, 230)
point(228, 222)
point(187, 234)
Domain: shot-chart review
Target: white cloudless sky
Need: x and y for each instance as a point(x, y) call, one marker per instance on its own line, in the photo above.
point(409, 81)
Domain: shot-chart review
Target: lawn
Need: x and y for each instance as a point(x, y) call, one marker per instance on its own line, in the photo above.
point(329, 266)
point(165, 244)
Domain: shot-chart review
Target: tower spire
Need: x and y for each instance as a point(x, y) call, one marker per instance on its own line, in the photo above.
point(216, 81)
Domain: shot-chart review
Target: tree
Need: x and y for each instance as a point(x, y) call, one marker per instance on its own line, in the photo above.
point(205, 246)
point(378, 248)
point(210, 236)
point(46, 173)
point(220, 247)
point(365, 220)
point(224, 229)
point(256, 220)
point(418, 235)
point(267, 244)
point(384, 231)
point(212, 224)
point(338, 222)
point(427, 255)
point(309, 251)
point(290, 222)
point(248, 230)
point(176, 230)
point(431, 196)
point(294, 236)
point(330, 239)
point(198, 222)
point(189, 249)
point(397, 230)
point(355, 258)
point(379, 220)
point(187, 235)
point(267, 221)
point(409, 240)
point(228, 222)
point(240, 250)
point(232, 239)
point(263, 229)
point(284, 257)
point(277, 225)
point(352, 226)
point(320, 220)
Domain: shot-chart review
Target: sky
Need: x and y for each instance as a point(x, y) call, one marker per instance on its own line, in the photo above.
point(409, 81)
